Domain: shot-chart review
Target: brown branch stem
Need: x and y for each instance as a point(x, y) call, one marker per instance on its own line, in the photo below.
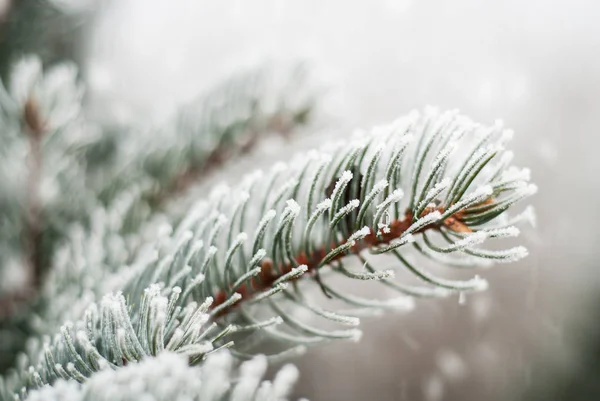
point(269, 274)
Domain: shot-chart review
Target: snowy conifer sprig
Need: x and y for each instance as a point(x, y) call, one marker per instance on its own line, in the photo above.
point(437, 176)
point(169, 378)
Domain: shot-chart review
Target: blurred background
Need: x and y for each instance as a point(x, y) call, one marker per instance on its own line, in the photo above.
point(534, 64)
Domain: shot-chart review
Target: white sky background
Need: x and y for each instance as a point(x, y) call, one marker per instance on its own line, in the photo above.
point(536, 64)
point(473, 54)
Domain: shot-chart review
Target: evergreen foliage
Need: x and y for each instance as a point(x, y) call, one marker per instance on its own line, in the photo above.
point(123, 300)
point(168, 377)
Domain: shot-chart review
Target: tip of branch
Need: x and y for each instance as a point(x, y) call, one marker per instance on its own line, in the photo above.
point(293, 207)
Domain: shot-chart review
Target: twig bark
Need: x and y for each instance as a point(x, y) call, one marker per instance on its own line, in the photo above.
point(269, 273)
point(35, 128)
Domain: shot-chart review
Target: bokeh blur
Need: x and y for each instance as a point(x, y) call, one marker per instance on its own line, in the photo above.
point(534, 64)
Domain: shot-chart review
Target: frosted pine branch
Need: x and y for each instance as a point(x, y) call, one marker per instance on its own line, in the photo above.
point(369, 179)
